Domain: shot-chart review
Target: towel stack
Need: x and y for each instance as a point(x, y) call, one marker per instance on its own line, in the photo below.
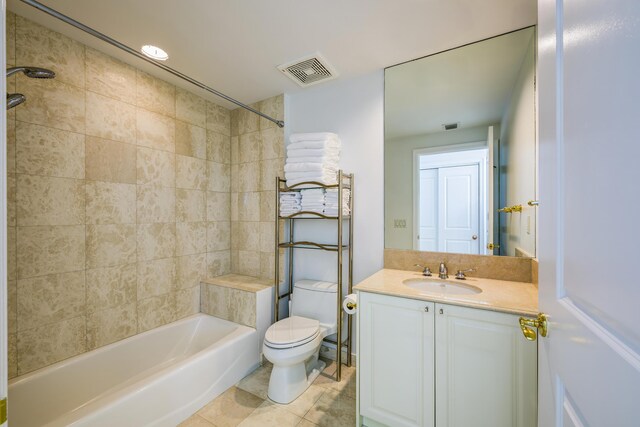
point(290, 203)
point(331, 204)
point(312, 157)
point(313, 200)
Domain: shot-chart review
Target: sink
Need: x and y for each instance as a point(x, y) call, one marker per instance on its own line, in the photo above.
point(439, 286)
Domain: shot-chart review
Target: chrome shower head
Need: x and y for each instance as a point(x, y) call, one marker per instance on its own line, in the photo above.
point(15, 99)
point(32, 72)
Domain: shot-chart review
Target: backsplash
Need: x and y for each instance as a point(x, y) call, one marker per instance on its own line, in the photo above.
point(487, 266)
point(119, 199)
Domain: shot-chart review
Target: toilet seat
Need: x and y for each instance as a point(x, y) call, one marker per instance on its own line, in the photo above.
point(292, 332)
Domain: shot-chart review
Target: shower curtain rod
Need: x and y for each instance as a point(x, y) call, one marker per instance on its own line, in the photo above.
point(135, 53)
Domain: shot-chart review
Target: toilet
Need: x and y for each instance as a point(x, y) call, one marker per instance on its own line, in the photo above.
point(293, 344)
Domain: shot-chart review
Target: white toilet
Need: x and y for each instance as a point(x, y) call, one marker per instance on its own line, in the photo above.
point(293, 344)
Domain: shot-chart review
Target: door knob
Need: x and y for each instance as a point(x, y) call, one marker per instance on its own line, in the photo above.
point(532, 327)
point(474, 237)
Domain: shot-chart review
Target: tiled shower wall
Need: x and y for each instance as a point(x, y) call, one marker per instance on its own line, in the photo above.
point(257, 157)
point(119, 198)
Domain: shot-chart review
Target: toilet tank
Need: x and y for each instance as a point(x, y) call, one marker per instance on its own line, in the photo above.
point(316, 300)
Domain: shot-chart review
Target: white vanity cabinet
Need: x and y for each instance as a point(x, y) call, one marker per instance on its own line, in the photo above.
point(429, 364)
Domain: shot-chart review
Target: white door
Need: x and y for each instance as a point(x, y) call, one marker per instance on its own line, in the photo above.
point(485, 370)
point(428, 228)
point(3, 219)
point(589, 90)
point(458, 210)
point(395, 370)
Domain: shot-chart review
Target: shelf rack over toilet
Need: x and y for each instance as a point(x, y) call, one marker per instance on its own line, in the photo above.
point(345, 181)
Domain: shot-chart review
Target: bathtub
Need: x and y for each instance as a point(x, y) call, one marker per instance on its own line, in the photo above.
point(157, 378)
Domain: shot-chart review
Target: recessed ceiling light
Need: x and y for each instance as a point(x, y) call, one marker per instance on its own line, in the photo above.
point(155, 52)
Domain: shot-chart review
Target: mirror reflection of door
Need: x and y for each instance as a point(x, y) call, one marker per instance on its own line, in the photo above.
point(450, 198)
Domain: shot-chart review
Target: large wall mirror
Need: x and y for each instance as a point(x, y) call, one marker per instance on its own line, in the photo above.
point(460, 149)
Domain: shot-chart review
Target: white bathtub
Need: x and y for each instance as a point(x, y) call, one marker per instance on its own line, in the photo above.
point(157, 378)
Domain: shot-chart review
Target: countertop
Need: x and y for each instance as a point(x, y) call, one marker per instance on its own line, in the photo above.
point(497, 295)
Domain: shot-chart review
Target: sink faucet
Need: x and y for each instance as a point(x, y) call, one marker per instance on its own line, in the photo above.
point(443, 273)
point(426, 271)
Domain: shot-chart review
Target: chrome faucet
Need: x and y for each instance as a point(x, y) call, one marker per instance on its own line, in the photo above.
point(460, 275)
point(443, 273)
point(426, 271)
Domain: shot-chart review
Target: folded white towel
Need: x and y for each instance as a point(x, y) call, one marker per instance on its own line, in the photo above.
point(310, 175)
point(322, 180)
point(290, 194)
point(309, 167)
point(289, 205)
point(326, 143)
point(324, 159)
point(313, 152)
point(314, 136)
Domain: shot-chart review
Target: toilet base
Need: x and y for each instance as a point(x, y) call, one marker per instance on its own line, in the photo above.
point(289, 382)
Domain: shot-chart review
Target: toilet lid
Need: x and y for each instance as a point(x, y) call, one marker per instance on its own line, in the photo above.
point(292, 332)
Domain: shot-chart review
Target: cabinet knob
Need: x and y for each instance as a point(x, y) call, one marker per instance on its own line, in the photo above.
point(441, 311)
point(426, 309)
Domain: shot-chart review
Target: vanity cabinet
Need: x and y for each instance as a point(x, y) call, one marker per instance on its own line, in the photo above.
point(430, 364)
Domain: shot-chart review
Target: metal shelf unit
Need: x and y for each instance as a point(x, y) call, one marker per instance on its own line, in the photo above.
point(345, 181)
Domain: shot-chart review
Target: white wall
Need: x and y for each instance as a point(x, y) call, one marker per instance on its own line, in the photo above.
point(518, 152)
point(398, 185)
point(354, 110)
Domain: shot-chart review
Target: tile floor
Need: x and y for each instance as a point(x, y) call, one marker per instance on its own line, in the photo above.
point(324, 403)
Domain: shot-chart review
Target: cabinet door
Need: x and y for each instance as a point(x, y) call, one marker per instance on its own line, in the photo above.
point(396, 360)
point(485, 370)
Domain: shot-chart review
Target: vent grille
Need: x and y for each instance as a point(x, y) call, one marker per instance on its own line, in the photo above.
point(450, 126)
point(309, 70)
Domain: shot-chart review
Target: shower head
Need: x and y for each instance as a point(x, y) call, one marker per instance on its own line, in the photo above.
point(15, 99)
point(32, 72)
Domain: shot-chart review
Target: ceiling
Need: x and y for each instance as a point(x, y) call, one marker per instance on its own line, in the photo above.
point(234, 46)
point(470, 86)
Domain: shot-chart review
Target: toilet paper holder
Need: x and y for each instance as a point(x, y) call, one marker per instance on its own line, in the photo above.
point(351, 305)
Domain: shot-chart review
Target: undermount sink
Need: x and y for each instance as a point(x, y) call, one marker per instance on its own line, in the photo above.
point(429, 285)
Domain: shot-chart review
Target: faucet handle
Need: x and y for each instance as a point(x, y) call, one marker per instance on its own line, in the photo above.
point(425, 270)
point(460, 274)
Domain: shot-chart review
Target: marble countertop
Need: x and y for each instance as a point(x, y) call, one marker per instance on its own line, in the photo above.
point(497, 295)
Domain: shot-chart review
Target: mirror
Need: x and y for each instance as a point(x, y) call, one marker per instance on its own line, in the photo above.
point(460, 149)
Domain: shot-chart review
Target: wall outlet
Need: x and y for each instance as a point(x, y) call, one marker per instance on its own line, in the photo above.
point(399, 223)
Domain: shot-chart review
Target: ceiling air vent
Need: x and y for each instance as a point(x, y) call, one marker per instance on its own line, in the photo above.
point(309, 70)
point(450, 126)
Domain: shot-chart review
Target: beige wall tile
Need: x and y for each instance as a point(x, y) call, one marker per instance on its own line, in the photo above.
point(111, 287)
point(234, 206)
point(249, 177)
point(235, 150)
point(218, 206)
point(191, 238)
point(51, 152)
point(156, 204)
point(269, 170)
point(191, 140)
point(10, 22)
point(191, 205)
point(110, 77)
point(218, 236)
point(156, 311)
point(249, 206)
point(218, 119)
point(155, 95)
point(156, 241)
point(234, 121)
point(187, 302)
point(235, 178)
point(53, 104)
point(110, 245)
point(37, 45)
point(110, 119)
point(191, 173)
point(218, 147)
point(49, 299)
point(51, 343)
point(110, 203)
point(229, 303)
point(218, 263)
point(12, 253)
point(155, 130)
point(273, 107)
point(12, 306)
point(111, 325)
point(156, 277)
point(110, 161)
point(249, 147)
point(12, 201)
point(12, 356)
point(50, 201)
point(267, 263)
point(267, 240)
point(247, 121)
point(156, 167)
point(190, 270)
point(50, 249)
point(11, 143)
point(191, 108)
point(272, 144)
point(218, 176)
point(249, 263)
point(267, 205)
